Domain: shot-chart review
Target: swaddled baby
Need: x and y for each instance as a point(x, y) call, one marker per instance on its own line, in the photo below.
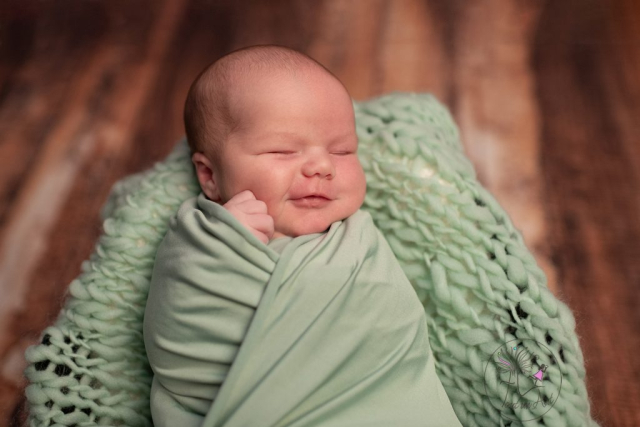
point(274, 300)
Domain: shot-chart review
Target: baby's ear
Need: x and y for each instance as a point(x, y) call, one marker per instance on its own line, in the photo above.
point(206, 177)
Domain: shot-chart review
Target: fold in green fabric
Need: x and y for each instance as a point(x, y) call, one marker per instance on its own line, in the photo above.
point(318, 330)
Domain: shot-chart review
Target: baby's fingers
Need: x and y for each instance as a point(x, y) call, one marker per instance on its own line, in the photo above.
point(253, 207)
point(262, 223)
point(241, 197)
point(263, 238)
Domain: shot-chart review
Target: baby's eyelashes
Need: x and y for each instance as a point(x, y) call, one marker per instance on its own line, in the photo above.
point(341, 153)
point(288, 153)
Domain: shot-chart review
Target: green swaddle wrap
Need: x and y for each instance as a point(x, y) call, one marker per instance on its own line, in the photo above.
point(329, 332)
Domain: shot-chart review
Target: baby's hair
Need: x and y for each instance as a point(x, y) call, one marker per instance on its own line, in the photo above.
point(209, 118)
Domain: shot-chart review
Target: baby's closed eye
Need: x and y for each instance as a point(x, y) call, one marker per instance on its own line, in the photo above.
point(290, 152)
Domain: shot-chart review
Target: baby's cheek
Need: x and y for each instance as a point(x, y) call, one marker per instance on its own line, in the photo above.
point(355, 185)
point(263, 192)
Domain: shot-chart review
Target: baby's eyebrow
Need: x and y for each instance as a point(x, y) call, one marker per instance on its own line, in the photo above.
point(282, 133)
point(294, 135)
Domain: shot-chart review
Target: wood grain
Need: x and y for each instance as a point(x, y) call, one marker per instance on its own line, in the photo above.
point(587, 73)
point(546, 94)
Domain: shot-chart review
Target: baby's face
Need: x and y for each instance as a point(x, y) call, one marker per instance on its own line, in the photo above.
point(297, 140)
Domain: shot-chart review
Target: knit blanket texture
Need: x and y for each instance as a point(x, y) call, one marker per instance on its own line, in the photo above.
point(329, 332)
point(486, 300)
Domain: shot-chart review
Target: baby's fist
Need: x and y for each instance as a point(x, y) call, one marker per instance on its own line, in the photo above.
point(252, 213)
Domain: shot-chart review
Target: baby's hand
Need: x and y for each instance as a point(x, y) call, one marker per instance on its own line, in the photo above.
point(252, 213)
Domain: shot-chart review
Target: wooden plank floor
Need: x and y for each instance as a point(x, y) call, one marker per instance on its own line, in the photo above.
point(546, 94)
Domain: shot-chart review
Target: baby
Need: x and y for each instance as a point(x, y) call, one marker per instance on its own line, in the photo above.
point(273, 280)
point(274, 142)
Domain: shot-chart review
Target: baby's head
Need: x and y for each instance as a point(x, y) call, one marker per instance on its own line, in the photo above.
point(274, 121)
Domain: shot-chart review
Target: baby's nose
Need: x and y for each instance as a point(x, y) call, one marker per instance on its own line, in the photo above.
point(319, 164)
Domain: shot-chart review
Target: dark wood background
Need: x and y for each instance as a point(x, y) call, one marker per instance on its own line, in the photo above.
point(546, 94)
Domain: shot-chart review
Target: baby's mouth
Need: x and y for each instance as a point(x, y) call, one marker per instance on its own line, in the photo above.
point(311, 201)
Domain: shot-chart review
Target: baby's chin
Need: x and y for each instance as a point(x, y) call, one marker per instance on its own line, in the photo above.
point(294, 224)
point(302, 229)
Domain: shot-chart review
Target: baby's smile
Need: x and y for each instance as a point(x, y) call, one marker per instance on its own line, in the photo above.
point(311, 202)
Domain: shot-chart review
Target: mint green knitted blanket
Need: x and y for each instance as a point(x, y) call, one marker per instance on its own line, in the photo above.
point(505, 348)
